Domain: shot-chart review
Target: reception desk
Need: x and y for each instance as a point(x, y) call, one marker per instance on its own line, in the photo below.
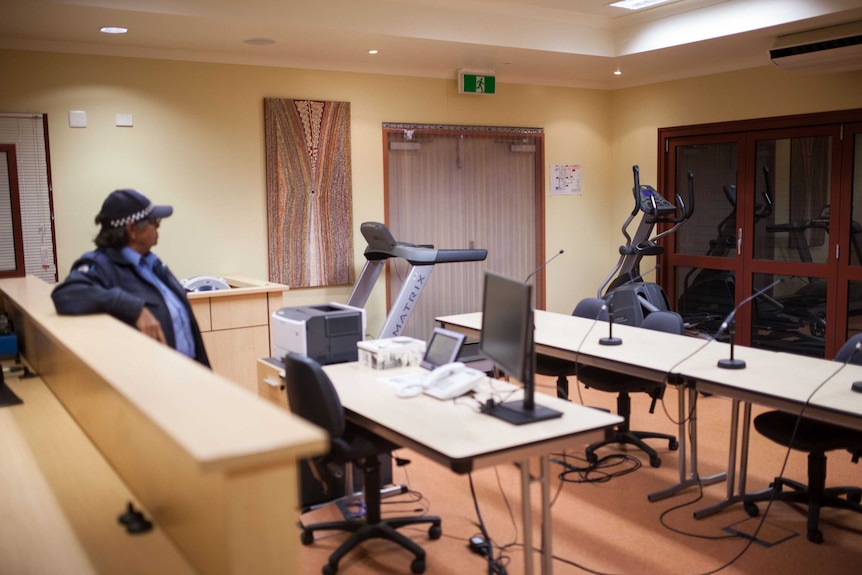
point(115, 416)
point(235, 325)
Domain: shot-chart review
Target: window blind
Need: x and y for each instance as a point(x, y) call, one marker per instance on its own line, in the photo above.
point(27, 133)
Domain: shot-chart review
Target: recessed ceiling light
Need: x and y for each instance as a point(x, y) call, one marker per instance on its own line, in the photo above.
point(637, 4)
point(259, 41)
point(113, 30)
point(617, 72)
point(372, 52)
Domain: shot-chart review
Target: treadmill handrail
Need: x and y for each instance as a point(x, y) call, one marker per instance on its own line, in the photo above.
point(381, 245)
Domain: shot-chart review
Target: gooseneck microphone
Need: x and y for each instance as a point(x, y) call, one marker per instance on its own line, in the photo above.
point(538, 269)
point(729, 325)
point(610, 339)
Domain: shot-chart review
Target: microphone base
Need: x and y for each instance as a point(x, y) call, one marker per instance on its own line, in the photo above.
point(610, 341)
point(731, 363)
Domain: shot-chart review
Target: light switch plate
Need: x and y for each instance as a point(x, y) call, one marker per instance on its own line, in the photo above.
point(125, 120)
point(77, 119)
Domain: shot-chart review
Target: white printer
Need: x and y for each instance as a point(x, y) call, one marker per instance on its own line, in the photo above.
point(327, 333)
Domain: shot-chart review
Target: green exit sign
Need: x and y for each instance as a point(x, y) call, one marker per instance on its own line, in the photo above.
point(476, 82)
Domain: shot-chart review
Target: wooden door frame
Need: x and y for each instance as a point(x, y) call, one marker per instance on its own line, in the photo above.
point(840, 194)
point(484, 131)
point(15, 204)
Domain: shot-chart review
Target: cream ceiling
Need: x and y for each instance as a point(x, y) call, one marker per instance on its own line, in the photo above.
point(576, 43)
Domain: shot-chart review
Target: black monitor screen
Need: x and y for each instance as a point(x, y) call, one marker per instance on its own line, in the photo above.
point(507, 324)
point(507, 340)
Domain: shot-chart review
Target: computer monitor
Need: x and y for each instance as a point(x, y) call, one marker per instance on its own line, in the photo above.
point(507, 340)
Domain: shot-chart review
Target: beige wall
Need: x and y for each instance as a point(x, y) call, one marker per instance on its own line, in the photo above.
point(755, 93)
point(197, 143)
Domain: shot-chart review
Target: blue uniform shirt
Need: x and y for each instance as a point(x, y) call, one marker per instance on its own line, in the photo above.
point(185, 342)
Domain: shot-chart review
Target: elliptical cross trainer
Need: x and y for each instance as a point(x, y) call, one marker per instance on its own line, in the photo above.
point(631, 297)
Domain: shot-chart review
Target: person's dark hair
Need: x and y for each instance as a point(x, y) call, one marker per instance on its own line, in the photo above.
point(109, 237)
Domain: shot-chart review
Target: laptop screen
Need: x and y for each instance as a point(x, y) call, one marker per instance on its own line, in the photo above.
point(443, 348)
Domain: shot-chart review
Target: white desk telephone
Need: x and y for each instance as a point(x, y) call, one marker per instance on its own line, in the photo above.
point(445, 382)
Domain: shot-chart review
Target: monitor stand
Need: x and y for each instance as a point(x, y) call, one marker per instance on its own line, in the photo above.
point(515, 413)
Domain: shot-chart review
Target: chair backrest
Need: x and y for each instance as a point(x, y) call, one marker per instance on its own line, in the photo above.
point(311, 394)
point(591, 308)
point(667, 321)
point(848, 353)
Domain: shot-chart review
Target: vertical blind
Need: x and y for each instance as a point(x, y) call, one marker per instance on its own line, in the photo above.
point(462, 187)
point(27, 133)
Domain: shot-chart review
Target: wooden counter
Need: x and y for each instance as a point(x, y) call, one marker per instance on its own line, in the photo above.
point(235, 325)
point(213, 466)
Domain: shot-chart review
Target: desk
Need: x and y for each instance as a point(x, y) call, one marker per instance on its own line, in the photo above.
point(61, 498)
point(456, 435)
point(200, 454)
point(644, 353)
point(777, 380)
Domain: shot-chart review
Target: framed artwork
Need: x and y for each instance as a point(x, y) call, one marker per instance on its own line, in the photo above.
point(308, 192)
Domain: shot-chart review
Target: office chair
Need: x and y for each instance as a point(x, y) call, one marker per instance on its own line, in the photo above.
point(590, 308)
point(312, 396)
point(623, 385)
point(814, 438)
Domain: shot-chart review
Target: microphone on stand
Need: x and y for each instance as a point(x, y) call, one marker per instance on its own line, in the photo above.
point(538, 269)
point(610, 339)
point(730, 325)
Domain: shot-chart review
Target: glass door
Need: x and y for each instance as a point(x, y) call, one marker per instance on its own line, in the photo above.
point(795, 243)
point(778, 219)
point(849, 283)
point(705, 261)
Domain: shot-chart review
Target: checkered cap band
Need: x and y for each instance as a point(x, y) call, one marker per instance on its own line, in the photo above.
point(137, 216)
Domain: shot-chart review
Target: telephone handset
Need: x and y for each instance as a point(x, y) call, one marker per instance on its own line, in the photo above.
point(442, 372)
point(445, 382)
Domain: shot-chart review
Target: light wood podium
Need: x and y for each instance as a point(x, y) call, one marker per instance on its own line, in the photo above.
point(214, 467)
point(236, 326)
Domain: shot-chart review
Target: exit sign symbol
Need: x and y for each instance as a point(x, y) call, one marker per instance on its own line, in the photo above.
point(476, 83)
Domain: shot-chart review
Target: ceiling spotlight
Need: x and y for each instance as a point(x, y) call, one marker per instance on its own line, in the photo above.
point(637, 4)
point(113, 30)
point(372, 52)
point(617, 72)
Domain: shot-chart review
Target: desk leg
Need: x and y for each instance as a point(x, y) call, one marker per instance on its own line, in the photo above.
point(693, 478)
point(547, 531)
point(731, 462)
point(526, 517)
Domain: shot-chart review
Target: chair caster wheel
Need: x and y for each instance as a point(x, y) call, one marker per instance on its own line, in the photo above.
point(330, 569)
point(418, 566)
point(655, 461)
point(751, 509)
point(673, 445)
point(434, 532)
point(815, 536)
point(306, 537)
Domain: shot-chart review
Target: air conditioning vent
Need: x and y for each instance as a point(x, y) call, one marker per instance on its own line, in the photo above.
point(834, 49)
